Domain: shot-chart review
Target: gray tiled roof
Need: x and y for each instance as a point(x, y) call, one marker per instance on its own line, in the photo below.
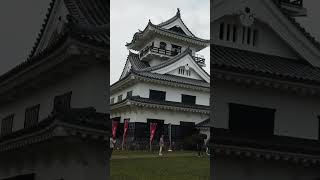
point(138, 67)
point(137, 35)
point(166, 103)
point(141, 66)
point(84, 13)
point(177, 16)
point(273, 142)
point(85, 117)
point(173, 78)
point(136, 63)
point(143, 69)
point(89, 23)
point(252, 62)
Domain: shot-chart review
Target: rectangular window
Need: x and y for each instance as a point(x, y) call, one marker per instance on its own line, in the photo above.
point(234, 36)
point(188, 99)
point(249, 36)
point(254, 40)
point(157, 95)
point(221, 33)
point(163, 45)
point(129, 94)
point(120, 98)
point(251, 120)
point(243, 34)
point(62, 102)
point(112, 101)
point(31, 116)
point(6, 125)
point(228, 32)
point(175, 49)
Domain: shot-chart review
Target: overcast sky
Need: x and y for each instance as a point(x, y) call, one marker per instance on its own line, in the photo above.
point(126, 20)
point(21, 21)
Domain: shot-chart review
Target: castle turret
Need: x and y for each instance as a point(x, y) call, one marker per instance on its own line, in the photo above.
point(158, 43)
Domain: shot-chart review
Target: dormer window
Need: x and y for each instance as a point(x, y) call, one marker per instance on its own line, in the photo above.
point(181, 71)
point(249, 36)
point(221, 32)
point(229, 32)
point(184, 71)
point(234, 36)
point(6, 125)
point(163, 45)
point(176, 49)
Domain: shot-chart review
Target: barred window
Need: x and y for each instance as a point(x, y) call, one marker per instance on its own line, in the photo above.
point(157, 95)
point(129, 94)
point(31, 116)
point(112, 101)
point(243, 120)
point(120, 98)
point(187, 99)
point(6, 125)
point(62, 102)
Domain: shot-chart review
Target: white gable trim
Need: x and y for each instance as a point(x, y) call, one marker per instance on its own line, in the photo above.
point(178, 22)
point(267, 12)
point(182, 62)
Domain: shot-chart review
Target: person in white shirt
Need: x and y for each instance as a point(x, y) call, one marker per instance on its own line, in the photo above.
point(161, 144)
point(112, 145)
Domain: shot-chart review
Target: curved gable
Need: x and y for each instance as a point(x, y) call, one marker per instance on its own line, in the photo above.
point(268, 11)
point(186, 61)
point(263, 39)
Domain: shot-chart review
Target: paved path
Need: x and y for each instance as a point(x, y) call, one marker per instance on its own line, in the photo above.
point(148, 155)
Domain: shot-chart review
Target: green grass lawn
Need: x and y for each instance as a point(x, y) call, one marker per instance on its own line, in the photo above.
point(149, 166)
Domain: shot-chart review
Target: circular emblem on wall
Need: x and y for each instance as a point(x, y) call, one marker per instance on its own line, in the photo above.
point(186, 66)
point(246, 17)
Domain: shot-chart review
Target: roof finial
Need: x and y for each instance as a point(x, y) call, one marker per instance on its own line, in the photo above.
point(178, 12)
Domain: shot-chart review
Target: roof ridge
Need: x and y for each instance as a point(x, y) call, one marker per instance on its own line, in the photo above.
point(169, 103)
point(260, 53)
point(237, 60)
point(159, 27)
point(43, 27)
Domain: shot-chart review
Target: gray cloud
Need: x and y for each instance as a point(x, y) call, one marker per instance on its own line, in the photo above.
point(20, 23)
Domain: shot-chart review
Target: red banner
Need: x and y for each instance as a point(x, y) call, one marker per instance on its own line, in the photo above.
point(153, 128)
point(125, 128)
point(114, 128)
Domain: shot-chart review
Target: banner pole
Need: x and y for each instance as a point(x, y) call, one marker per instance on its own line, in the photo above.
point(170, 140)
point(122, 146)
point(150, 145)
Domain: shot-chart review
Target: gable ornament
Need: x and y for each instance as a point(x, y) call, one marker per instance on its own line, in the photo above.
point(246, 17)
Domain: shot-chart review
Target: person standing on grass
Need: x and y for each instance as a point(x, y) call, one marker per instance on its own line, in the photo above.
point(207, 147)
point(112, 145)
point(199, 144)
point(161, 144)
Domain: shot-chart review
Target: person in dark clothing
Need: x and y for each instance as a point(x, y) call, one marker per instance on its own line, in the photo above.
point(201, 144)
